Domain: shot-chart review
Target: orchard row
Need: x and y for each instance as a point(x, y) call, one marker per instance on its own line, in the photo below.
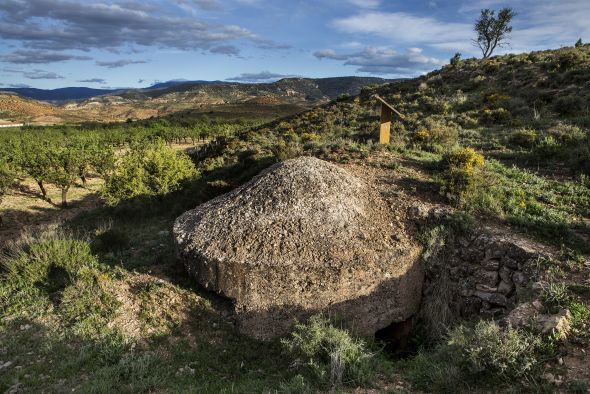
point(133, 160)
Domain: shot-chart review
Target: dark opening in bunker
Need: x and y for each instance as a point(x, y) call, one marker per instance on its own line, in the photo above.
point(397, 337)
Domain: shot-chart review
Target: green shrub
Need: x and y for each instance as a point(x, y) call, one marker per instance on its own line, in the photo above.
point(421, 136)
point(132, 372)
point(524, 138)
point(567, 59)
point(462, 174)
point(483, 355)
point(111, 240)
point(285, 150)
point(496, 115)
point(211, 163)
point(567, 134)
point(436, 131)
point(148, 170)
point(578, 386)
point(547, 147)
point(331, 354)
point(468, 120)
point(394, 165)
point(496, 100)
point(569, 105)
point(555, 295)
point(59, 270)
point(490, 349)
point(580, 318)
point(309, 137)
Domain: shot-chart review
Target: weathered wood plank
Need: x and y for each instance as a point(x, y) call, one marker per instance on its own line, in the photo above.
point(385, 131)
point(395, 111)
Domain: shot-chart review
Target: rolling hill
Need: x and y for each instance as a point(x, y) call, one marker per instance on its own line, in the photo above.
point(58, 95)
point(289, 96)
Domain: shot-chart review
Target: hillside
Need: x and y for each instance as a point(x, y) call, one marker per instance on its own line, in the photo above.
point(286, 96)
point(291, 91)
point(528, 111)
point(58, 95)
point(13, 107)
point(484, 103)
point(187, 238)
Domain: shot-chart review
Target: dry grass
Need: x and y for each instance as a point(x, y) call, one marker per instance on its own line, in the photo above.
point(25, 210)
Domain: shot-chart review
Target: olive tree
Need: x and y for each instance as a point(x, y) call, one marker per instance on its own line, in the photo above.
point(35, 160)
point(492, 31)
point(65, 169)
point(102, 159)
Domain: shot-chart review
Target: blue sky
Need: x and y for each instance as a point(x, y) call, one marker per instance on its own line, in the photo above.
point(133, 43)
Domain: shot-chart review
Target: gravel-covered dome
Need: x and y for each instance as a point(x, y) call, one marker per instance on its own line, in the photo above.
point(303, 237)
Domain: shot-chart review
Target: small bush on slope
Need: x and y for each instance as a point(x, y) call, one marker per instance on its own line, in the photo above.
point(462, 175)
point(148, 170)
point(59, 272)
point(524, 138)
point(331, 354)
point(483, 354)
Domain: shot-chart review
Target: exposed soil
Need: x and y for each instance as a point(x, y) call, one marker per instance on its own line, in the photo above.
point(24, 210)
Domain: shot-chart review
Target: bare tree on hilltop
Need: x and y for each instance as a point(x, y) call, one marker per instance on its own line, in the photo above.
point(492, 32)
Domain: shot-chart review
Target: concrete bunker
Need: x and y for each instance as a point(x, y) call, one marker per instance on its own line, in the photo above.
point(303, 237)
point(306, 237)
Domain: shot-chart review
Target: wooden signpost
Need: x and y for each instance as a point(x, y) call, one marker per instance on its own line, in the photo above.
point(387, 112)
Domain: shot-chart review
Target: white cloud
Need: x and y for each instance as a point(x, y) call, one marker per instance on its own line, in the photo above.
point(329, 54)
point(119, 63)
point(261, 77)
point(366, 3)
point(385, 61)
point(540, 24)
point(34, 74)
point(401, 27)
point(117, 25)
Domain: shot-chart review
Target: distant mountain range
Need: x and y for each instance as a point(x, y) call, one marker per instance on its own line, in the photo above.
point(329, 87)
point(61, 94)
point(73, 105)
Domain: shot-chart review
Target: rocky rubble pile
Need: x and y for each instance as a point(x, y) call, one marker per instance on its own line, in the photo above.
point(483, 272)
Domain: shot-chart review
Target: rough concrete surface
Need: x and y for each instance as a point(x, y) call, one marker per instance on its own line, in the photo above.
point(303, 237)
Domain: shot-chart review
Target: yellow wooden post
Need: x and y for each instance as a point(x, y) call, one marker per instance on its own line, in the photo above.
point(387, 112)
point(385, 131)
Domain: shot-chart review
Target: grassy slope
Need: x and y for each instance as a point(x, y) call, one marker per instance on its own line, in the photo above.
point(526, 113)
point(176, 338)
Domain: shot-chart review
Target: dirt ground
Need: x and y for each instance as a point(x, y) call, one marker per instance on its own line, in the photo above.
point(24, 209)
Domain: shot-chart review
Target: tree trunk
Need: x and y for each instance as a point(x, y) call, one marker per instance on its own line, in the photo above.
point(43, 191)
point(64, 196)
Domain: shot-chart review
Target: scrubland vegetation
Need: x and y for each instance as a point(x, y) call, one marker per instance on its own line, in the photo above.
point(504, 140)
